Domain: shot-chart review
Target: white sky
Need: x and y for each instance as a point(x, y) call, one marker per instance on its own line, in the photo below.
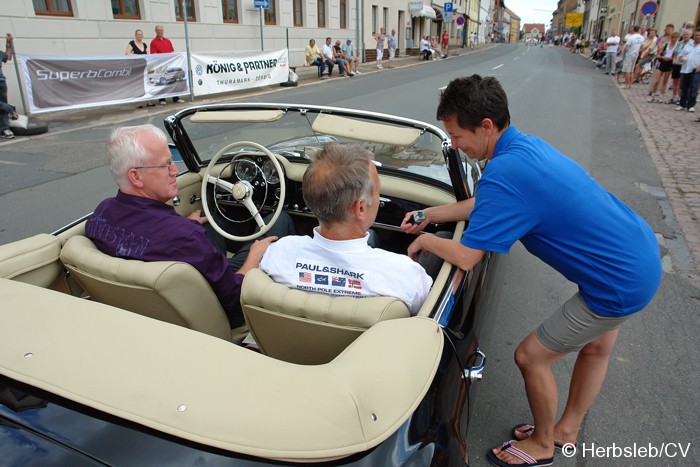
point(529, 10)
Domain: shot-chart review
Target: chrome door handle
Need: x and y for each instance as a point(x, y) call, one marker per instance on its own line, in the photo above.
point(474, 373)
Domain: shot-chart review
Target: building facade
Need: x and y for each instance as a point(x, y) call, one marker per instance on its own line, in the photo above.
point(104, 27)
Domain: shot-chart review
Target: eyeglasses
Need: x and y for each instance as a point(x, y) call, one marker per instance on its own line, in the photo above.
point(167, 165)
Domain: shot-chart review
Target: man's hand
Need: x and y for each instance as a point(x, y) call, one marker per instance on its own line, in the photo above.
point(257, 250)
point(197, 216)
point(415, 248)
point(411, 228)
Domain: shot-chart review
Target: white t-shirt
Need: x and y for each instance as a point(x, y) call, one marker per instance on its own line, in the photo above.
point(615, 40)
point(327, 52)
point(635, 43)
point(347, 267)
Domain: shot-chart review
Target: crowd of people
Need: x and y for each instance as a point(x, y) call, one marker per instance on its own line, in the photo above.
point(673, 57)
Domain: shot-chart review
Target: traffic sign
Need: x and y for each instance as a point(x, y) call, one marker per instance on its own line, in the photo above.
point(460, 21)
point(447, 17)
point(448, 7)
point(649, 8)
point(264, 4)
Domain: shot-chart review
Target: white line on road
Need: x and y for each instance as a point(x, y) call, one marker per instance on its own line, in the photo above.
point(12, 163)
point(516, 58)
point(496, 67)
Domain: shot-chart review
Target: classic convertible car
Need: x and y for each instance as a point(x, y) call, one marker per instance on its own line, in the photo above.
point(114, 361)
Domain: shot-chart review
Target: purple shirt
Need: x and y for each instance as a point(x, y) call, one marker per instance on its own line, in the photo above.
point(135, 227)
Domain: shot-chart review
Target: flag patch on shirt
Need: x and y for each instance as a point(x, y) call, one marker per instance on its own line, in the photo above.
point(354, 284)
point(305, 277)
point(338, 281)
point(321, 279)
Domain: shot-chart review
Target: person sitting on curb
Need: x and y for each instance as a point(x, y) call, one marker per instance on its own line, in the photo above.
point(313, 57)
point(328, 56)
point(350, 56)
point(426, 52)
point(340, 58)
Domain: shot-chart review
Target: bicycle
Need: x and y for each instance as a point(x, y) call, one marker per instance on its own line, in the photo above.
point(644, 76)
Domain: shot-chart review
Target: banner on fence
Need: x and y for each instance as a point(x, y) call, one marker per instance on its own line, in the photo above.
point(62, 83)
point(225, 72)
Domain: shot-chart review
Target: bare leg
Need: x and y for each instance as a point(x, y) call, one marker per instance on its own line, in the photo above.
point(535, 361)
point(586, 381)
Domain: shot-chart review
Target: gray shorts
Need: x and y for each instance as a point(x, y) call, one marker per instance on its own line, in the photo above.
point(628, 63)
point(574, 325)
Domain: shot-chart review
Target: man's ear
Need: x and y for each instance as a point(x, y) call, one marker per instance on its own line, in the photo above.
point(134, 177)
point(359, 208)
point(487, 125)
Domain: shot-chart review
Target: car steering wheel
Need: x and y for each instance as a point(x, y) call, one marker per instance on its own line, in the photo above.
point(241, 191)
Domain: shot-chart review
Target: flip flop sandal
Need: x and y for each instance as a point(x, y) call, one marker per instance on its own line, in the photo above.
point(528, 460)
point(516, 434)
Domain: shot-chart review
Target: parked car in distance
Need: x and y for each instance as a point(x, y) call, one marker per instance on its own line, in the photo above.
point(169, 75)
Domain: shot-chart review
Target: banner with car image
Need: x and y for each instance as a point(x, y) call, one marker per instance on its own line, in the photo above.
point(225, 72)
point(64, 83)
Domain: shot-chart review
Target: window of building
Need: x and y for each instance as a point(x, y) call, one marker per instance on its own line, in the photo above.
point(321, 13)
point(180, 10)
point(271, 13)
point(298, 13)
point(343, 14)
point(375, 29)
point(128, 9)
point(53, 7)
point(230, 10)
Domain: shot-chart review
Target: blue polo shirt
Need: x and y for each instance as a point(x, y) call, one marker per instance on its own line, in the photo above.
point(134, 227)
point(533, 193)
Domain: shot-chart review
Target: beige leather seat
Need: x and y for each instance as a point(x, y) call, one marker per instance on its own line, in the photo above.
point(308, 328)
point(169, 291)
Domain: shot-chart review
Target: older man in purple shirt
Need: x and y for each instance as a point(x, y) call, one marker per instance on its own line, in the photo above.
point(138, 224)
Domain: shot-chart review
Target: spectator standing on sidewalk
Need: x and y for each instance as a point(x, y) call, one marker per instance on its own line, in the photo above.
point(647, 53)
point(162, 45)
point(611, 45)
point(686, 38)
point(665, 58)
point(380, 37)
point(392, 47)
point(138, 47)
point(5, 108)
point(633, 43)
point(690, 73)
point(350, 56)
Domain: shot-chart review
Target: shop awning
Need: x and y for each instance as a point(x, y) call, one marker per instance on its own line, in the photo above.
point(426, 11)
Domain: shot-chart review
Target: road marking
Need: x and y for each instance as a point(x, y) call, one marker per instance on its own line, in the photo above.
point(496, 67)
point(12, 163)
point(516, 58)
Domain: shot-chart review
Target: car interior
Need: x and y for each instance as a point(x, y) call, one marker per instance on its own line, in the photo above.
point(175, 292)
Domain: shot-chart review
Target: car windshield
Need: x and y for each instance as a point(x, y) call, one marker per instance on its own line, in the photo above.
point(404, 145)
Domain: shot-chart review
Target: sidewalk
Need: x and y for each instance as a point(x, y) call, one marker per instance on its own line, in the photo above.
point(672, 139)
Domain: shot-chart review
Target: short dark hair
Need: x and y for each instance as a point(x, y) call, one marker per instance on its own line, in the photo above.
point(472, 99)
point(635, 28)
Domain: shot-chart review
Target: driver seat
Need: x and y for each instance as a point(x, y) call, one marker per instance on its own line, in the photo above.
point(169, 291)
point(308, 328)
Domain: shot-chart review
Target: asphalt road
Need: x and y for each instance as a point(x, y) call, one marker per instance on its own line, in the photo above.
point(650, 394)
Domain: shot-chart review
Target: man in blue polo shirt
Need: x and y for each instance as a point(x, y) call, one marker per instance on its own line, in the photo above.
point(533, 193)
